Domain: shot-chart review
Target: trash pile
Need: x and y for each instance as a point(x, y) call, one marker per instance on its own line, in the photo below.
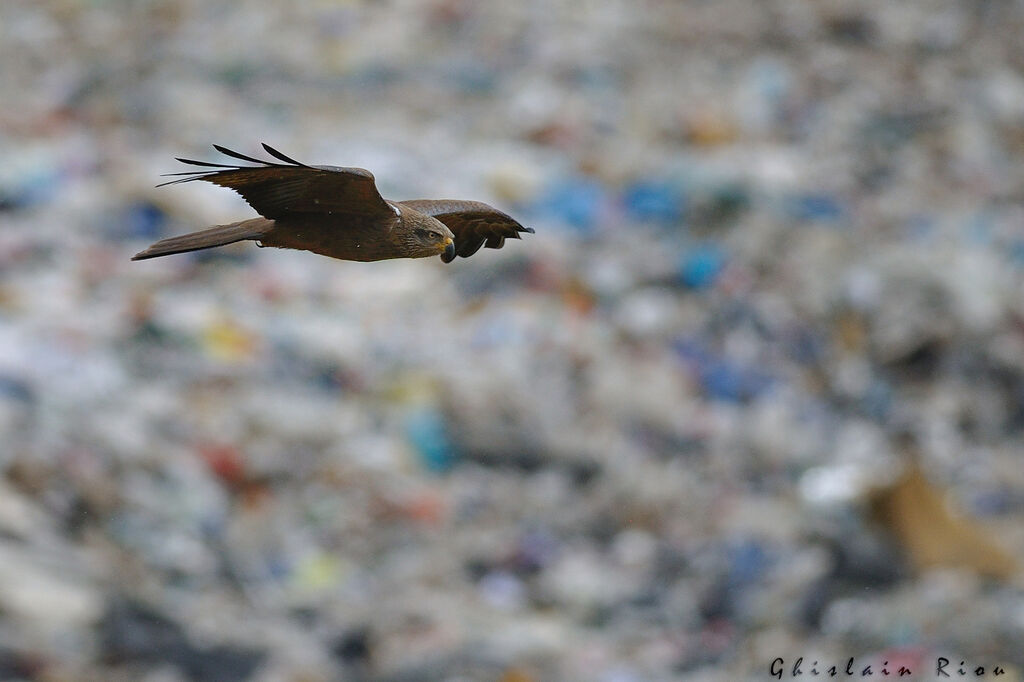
point(772, 303)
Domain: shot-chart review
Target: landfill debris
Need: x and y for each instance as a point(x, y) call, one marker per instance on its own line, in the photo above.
point(935, 535)
point(769, 236)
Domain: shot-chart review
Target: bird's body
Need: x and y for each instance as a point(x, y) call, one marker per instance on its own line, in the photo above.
point(337, 212)
point(346, 237)
point(350, 238)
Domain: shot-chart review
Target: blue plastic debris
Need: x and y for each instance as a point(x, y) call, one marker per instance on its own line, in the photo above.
point(700, 266)
point(577, 202)
point(1016, 253)
point(33, 189)
point(16, 389)
point(144, 220)
point(748, 561)
point(426, 432)
point(654, 201)
point(877, 399)
point(721, 378)
point(816, 207)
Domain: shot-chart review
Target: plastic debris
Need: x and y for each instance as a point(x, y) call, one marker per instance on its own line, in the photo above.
point(701, 266)
point(646, 445)
point(917, 513)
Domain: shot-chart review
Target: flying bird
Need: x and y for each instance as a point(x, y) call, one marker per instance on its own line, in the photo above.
point(337, 212)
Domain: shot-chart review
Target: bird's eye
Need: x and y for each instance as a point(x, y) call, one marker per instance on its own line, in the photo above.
point(425, 234)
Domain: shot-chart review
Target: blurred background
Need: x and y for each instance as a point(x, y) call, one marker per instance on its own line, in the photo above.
point(753, 390)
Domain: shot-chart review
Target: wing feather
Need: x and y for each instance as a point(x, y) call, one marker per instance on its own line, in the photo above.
point(277, 190)
point(278, 155)
point(200, 163)
point(240, 156)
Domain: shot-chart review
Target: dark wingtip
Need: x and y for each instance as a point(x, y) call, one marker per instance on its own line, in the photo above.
point(173, 182)
point(193, 162)
point(278, 155)
point(197, 175)
point(237, 155)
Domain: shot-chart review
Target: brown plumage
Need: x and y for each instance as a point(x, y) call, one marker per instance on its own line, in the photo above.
point(338, 212)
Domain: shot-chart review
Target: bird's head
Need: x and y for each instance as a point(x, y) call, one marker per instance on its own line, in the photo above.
point(425, 236)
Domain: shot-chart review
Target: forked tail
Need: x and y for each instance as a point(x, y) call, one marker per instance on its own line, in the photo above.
point(219, 235)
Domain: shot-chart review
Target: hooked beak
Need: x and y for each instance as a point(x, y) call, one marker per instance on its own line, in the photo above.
point(449, 251)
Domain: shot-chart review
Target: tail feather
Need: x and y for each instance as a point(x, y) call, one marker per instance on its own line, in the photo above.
point(219, 235)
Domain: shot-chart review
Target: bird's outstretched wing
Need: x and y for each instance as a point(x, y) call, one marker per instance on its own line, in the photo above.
point(473, 223)
point(277, 189)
